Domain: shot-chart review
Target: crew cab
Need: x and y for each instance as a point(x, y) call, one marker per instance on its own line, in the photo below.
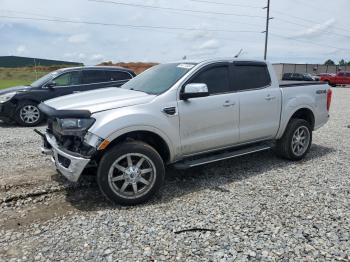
point(20, 104)
point(341, 78)
point(183, 114)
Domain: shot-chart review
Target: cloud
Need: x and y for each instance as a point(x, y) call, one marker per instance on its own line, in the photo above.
point(96, 58)
point(21, 49)
point(78, 38)
point(208, 45)
point(195, 35)
point(317, 29)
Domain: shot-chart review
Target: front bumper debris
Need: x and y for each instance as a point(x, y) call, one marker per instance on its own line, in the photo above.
point(70, 166)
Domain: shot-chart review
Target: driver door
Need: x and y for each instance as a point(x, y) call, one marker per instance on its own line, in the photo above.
point(209, 123)
point(65, 84)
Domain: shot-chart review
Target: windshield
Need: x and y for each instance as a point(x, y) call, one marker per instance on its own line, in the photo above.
point(42, 80)
point(159, 79)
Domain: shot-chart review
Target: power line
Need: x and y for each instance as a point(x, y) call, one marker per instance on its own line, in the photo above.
point(226, 4)
point(173, 9)
point(309, 42)
point(124, 25)
point(279, 12)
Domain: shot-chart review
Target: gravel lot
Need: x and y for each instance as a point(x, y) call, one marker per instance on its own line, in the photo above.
point(256, 207)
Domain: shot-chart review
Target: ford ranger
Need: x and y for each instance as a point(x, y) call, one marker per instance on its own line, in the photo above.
point(182, 114)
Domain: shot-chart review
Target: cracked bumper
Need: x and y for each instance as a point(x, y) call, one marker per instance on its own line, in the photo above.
point(68, 165)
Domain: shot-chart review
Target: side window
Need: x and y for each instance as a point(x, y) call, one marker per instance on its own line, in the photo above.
point(94, 76)
point(250, 77)
point(347, 74)
point(341, 74)
point(68, 79)
point(216, 78)
point(117, 75)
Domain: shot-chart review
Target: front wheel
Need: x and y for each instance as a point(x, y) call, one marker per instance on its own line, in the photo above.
point(28, 114)
point(130, 173)
point(296, 140)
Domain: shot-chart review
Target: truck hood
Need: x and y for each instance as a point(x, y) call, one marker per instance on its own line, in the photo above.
point(100, 100)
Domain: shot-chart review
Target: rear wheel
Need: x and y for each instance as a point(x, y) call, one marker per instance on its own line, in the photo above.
point(296, 140)
point(130, 173)
point(28, 114)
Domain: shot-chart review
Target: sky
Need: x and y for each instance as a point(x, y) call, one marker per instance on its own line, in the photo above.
point(301, 31)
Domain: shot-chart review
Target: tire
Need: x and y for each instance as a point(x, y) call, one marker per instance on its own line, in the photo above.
point(28, 114)
point(290, 143)
point(117, 175)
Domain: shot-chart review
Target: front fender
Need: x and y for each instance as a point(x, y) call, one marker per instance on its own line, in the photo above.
point(112, 124)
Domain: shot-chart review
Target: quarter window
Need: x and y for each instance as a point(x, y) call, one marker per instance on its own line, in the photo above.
point(117, 75)
point(94, 76)
point(247, 77)
point(216, 78)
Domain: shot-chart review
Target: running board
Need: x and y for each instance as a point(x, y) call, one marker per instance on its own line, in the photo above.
point(222, 155)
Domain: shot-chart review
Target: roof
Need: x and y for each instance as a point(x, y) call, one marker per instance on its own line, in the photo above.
point(98, 68)
point(219, 59)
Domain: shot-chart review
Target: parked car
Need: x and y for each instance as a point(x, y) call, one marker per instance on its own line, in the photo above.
point(297, 77)
point(20, 104)
point(183, 114)
point(341, 78)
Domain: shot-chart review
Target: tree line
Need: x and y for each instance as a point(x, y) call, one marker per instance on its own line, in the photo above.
point(341, 62)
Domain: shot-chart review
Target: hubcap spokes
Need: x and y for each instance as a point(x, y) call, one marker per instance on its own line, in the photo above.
point(300, 140)
point(132, 175)
point(29, 114)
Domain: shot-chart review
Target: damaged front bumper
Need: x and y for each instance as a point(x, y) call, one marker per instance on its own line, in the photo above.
point(69, 164)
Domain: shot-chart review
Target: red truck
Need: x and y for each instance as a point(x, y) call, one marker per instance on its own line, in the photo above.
point(341, 78)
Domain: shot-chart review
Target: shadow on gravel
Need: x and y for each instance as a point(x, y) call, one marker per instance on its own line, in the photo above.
point(14, 125)
point(211, 176)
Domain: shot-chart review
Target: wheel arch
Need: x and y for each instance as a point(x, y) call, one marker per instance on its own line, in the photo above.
point(155, 139)
point(305, 114)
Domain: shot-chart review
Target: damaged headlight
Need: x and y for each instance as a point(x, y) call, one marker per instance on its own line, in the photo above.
point(74, 126)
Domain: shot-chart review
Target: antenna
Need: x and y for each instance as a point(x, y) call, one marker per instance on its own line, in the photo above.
point(239, 53)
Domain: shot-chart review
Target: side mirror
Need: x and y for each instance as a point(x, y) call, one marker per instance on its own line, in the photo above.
point(50, 84)
point(194, 90)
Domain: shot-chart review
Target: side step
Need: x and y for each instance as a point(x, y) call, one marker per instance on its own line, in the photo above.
point(222, 155)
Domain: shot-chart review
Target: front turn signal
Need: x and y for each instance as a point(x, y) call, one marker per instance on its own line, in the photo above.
point(104, 144)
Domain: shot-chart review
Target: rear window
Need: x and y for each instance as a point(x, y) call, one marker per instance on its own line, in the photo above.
point(117, 75)
point(94, 76)
point(247, 77)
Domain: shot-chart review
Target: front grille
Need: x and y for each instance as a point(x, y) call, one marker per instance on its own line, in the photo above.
point(63, 161)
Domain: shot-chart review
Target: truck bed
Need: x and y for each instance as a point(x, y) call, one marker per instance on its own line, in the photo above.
point(299, 83)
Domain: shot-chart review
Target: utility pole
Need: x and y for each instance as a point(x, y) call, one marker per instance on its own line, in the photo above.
point(268, 18)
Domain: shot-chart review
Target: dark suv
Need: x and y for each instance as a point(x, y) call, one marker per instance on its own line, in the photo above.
point(20, 104)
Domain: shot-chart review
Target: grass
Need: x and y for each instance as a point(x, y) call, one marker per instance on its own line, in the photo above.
point(21, 76)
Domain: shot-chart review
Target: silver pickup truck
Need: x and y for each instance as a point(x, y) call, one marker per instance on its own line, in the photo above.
point(182, 114)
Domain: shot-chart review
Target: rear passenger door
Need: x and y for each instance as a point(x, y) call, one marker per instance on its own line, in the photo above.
point(93, 79)
point(208, 123)
point(118, 78)
point(259, 101)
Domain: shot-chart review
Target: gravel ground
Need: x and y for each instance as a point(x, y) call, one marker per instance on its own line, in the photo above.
point(256, 207)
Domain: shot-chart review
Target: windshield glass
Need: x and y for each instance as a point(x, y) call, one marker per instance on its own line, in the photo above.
point(159, 79)
point(42, 80)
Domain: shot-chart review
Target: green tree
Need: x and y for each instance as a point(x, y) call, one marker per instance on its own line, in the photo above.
point(342, 62)
point(329, 62)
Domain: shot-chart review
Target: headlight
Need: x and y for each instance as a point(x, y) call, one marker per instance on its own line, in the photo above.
point(74, 126)
point(6, 97)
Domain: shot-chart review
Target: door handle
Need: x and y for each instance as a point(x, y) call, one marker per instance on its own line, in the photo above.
point(269, 97)
point(228, 103)
point(74, 92)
